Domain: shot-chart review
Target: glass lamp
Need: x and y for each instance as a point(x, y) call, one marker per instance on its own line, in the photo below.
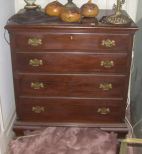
point(30, 4)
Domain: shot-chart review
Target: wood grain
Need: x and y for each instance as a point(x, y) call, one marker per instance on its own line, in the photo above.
point(71, 87)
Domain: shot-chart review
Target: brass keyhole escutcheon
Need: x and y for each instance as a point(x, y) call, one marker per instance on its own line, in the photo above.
point(71, 37)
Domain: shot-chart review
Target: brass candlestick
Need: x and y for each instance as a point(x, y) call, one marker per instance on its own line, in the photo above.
point(118, 17)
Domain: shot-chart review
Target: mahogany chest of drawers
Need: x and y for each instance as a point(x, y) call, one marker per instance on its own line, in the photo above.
point(71, 74)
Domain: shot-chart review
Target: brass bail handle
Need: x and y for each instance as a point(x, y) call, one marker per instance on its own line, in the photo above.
point(107, 63)
point(105, 86)
point(108, 43)
point(37, 85)
point(103, 110)
point(34, 41)
point(36, 62)
point(38, 109)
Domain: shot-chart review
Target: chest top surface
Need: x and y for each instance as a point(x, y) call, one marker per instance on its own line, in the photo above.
point(38, 20)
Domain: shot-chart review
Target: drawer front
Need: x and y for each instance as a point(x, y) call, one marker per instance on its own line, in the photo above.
point(75, 41)
point(70, 110)
point(72, 85)
point(76, 62)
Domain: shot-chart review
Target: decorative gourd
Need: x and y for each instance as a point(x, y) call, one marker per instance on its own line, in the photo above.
point(89, 9)
point(54, 8)
point(70, 13)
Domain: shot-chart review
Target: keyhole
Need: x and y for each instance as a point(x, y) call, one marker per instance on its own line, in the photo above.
point(71, 37)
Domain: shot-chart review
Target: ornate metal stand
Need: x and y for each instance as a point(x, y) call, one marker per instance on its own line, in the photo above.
point(118, 17)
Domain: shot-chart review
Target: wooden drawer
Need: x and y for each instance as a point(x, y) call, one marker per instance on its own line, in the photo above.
point(70, 74)
point(74, 41)
point(76, 62)
point(70, 110)
point(72, 85)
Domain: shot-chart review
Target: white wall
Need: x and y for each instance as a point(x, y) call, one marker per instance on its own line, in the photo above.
point(131, 7)
point(7, 107)
point(6, 83)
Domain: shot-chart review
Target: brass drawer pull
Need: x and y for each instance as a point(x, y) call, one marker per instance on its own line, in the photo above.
point(107, 63)
point(38, 109)
point(103, 110)
point(105, 86)
point(37, 85)
point(35, 62)
point(34, 41)
point(108, 43)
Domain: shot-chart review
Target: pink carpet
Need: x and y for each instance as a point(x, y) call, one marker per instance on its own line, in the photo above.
point(66, 140)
